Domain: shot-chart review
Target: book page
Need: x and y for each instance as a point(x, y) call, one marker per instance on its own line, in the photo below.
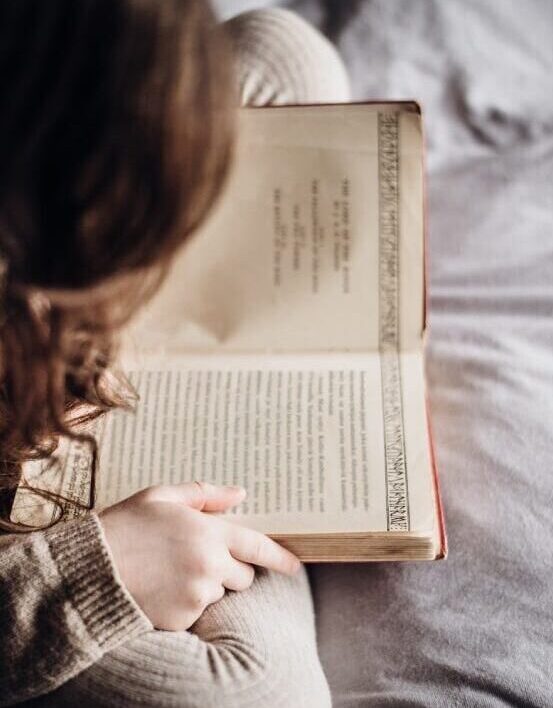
point(305, 436)
point(300, 253)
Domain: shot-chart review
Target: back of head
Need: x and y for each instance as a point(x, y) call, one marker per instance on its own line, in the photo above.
point(115, 138)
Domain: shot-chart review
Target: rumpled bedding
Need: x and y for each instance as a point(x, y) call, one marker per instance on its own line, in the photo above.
point(477, 629)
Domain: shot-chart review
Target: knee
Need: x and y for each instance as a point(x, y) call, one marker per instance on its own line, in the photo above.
point(257, 647)
point(260, 676)
point(158, 671)
point(281, 58)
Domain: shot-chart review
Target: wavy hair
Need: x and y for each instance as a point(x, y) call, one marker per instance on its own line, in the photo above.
point(116, 135)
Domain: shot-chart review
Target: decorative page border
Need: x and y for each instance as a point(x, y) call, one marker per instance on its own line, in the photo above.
point(397, 492)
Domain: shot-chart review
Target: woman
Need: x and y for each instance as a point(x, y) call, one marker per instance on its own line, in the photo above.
point(116, 134)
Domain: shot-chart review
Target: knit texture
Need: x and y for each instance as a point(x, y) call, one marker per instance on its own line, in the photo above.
point(62, 607)
point(282, 59)
point(254, 648)
point(71, 633)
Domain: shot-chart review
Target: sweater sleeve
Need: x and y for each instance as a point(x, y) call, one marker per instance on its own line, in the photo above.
point(62, 607)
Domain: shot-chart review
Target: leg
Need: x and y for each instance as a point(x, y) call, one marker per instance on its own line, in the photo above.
point(283, 59)
point(255, 648)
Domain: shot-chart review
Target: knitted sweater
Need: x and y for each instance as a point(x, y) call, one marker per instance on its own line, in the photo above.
point(62, 606)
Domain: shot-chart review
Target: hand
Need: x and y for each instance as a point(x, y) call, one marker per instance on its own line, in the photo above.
point(175, 559)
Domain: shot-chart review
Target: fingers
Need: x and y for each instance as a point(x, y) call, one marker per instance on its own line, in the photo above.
point(238, 575)
point(244, 544)
point(253, 547)
point(198, 495)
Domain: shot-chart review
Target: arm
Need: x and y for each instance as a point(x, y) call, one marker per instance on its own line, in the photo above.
point(67, 600)
point(62, 607)
point(254, 648)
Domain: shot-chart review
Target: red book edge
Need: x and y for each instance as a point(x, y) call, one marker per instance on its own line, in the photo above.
point(426, 269)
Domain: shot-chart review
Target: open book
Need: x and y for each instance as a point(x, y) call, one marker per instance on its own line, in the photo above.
point(285, 351)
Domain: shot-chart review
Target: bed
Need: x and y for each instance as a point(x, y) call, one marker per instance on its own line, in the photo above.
point(476, 630)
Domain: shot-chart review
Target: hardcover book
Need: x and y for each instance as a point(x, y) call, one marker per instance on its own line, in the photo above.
point(285, 350)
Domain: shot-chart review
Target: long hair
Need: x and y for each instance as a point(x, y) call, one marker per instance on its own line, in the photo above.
point(116, 135)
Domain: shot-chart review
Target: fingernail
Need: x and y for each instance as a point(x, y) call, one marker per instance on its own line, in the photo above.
point(237, 489)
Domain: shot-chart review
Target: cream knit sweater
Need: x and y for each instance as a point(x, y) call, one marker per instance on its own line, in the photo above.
point(70, 632)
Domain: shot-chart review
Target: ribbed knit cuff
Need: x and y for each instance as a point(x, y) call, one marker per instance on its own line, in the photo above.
point(107, 609)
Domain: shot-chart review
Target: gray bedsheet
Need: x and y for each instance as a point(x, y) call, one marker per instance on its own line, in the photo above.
point(477, 629)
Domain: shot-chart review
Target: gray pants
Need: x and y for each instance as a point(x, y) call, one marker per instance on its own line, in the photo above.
point(258, 647)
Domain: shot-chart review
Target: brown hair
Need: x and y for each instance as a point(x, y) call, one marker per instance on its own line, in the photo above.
point(115, 138)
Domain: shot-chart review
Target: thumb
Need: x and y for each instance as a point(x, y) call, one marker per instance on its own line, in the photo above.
point(201, 495)
point(197, 495)
point(212, 497)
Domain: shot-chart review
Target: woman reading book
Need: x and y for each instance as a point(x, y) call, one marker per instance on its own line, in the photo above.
point(116, 134)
